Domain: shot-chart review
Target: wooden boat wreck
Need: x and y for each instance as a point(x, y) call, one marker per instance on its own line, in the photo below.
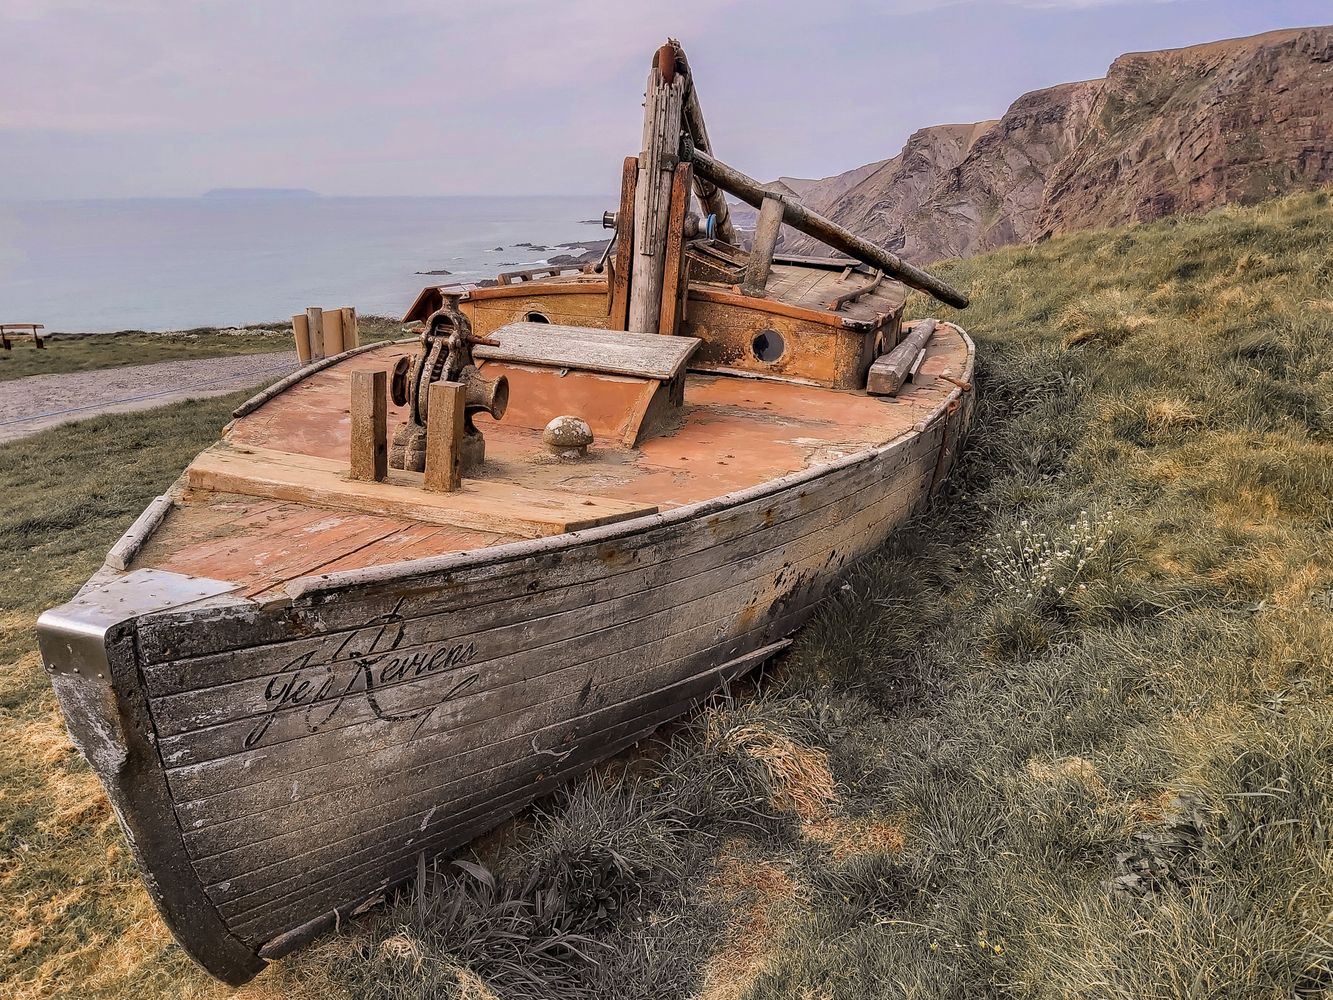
point(404, 595)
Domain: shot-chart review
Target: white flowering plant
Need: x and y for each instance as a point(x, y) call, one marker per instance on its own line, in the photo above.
point(1037, 564)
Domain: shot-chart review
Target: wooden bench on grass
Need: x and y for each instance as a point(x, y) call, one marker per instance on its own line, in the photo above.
point(23, 329)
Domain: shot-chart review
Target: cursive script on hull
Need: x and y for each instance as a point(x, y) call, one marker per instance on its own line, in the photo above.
point(363, 664)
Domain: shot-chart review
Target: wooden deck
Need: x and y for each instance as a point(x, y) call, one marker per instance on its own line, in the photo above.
point(737, 433)
point(817, 288)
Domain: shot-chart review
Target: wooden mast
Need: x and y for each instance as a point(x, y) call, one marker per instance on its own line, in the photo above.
point(709, 195)
point(662, 112)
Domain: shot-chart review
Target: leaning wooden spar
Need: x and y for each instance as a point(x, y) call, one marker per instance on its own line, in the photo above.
point(419, 584)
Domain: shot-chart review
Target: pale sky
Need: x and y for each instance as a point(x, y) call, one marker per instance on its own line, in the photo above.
point(113, 98)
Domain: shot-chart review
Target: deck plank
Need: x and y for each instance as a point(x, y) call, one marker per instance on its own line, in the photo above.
point(613, 352)
point(480, 504)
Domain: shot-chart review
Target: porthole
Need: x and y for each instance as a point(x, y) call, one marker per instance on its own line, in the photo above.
point(768, 346)
point(536, 317)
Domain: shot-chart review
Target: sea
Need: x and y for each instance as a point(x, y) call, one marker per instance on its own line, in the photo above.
point(177, 263)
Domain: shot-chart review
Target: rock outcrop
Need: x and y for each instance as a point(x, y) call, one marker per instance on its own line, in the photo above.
point(1182, 130)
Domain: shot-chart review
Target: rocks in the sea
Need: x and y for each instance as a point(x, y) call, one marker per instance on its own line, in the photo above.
point(585, 253)
point(497, 249)
point(438, 270)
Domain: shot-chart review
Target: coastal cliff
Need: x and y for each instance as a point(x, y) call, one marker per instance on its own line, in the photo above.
point(1182, 130)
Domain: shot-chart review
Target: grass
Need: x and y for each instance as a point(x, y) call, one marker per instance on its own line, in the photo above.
point(85, 352)
point(1070, 734)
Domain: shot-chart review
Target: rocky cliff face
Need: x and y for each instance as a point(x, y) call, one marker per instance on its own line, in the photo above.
point(1183, 130)
point(826, 190)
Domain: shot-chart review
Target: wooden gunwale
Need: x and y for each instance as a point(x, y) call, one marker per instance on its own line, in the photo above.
point(580, 286)
point(127, 547)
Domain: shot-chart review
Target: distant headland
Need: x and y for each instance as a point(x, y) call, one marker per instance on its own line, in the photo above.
point(259, 192)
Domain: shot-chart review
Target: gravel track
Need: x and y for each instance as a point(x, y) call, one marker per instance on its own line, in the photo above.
point(34, 403)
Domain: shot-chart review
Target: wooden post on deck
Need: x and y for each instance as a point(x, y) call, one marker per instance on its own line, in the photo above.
point(889, 371)
point(333, 332)
point(444, 437)
point(766, 233)
point(351, 332)
point(370, 427)
point(301, 334)
point(315, 319)
point(652, 196)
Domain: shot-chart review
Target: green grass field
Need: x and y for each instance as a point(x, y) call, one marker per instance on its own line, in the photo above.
point(1069, 735)
point(86, 352)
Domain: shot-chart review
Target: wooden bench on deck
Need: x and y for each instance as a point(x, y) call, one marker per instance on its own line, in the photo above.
point(481, 504)
point(622, 384)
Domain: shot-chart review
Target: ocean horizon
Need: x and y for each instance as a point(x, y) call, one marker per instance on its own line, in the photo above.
point(103, 265)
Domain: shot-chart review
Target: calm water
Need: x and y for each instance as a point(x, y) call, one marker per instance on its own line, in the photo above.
point(162, 264)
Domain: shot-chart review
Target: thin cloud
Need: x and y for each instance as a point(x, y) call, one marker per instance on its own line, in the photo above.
point(522, 96)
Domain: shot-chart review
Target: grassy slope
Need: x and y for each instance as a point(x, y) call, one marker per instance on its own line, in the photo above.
point(65, 353)
point(1105, 770)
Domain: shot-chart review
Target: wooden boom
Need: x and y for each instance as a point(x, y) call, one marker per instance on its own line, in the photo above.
point(811, 223)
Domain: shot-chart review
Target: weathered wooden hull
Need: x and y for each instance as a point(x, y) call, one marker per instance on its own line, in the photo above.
point(273, 765)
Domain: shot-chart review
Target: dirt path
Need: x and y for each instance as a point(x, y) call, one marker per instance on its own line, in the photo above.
point(34, 403)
